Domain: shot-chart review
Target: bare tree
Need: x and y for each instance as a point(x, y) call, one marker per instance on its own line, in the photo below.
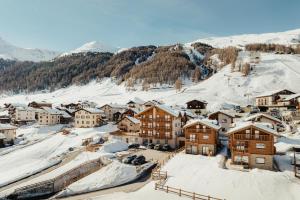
point(178, 84)
point(145, 85)
point(246, 69)
point(196, 75)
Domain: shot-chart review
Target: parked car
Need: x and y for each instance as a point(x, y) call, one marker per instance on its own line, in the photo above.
point(133, 146)
point(166, 147)
point(157, 147)
point(129, 159)
point(150, 146)
point(254, 110)
point(139, 160)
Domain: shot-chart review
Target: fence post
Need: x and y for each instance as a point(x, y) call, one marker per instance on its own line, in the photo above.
point(155, 186)
point(208, 197)
point(167, 189)
point(180, 192)
point(194, 196)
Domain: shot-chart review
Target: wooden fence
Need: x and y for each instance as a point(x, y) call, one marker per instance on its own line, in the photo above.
point(162, 176)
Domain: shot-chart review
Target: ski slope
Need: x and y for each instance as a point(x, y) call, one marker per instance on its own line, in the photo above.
point(272, 73)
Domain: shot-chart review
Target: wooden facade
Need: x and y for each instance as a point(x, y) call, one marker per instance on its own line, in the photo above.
point(160, 125)
point(252, 145)
point(272, 99)
point(201, 138)
point(198, 107)
point(224, 119)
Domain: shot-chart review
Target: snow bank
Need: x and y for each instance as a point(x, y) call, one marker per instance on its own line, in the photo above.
point(112, 175)
point(114, 146)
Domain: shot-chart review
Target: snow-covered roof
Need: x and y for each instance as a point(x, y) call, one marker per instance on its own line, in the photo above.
point(243, 125)
point(26, 108)
point(4, 113)
point(52, 111)
point(134, 120)
point(223, 112)
point(2, 136)
point(137, 100)
point(269, 93)
point(65, 114)
point(253, 117)
point(168, 109)
point(290, 97)
point(206, 122)
point(115, 105)
point(203, 101)
point(7, 126)
point(93, 110)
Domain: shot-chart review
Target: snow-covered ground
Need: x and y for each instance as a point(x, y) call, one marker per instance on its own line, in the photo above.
point(203, 175)
point(34, 158)
point(272, 73)
point(112, 175)
point(285, 38)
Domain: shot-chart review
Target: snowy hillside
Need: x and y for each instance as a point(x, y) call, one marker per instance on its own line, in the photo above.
point(93, 46)
point(9, 51)
point(285, 38)
point(273, 72)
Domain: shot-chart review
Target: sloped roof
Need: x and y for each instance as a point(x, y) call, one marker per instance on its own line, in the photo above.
point(269, 93)
point(202, 101)
point(52, 111)
point(137, 100)
point(163, 107)
point(244, 125)
point(290, 97)
point(206, 122)
point(7, 126)
point(252, 117)
point(134, 120)
point(93, 110)
point(223, 112)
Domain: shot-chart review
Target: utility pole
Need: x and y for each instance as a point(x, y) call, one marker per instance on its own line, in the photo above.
point(228, 78)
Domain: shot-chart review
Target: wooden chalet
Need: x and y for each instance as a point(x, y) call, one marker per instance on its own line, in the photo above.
point(272, 99)
point(42, 104)
point(201, 137)
point(252, 145)
point(160, 124)
point(224, 118)
point(197, 106)
point(264, 118)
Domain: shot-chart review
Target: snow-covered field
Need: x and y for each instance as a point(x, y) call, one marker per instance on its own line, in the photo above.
point(274, 72)
point(34, 158)
point(203, 175)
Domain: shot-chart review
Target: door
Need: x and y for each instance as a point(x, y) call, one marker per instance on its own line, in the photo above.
point(205, 150)
point(194, 150)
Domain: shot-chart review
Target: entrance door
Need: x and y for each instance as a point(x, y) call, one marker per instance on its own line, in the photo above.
point(194, 150)
point(205, 150)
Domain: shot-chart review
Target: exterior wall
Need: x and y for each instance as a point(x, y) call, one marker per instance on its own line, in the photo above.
point(129, 138)
point(250, 142)
point(224, 121)
point(126, 125)
point(108, 111)
point(158, 126)
point(268, 161)
point(84, 119)
point(10, 134)
point(25, 115)
point(264, 101)
point(45, 118)
point(199, 136)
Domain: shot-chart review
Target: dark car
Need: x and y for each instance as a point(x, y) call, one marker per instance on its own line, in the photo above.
point(139, 160)
point(157, 147)
point(133, 146)
point(166, 147)
point(129, 159)
point(150, 146)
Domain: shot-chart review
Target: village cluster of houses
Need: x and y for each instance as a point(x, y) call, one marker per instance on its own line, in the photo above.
point(250, 137)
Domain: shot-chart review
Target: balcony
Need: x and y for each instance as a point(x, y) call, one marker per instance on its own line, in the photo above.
point(252, 137)
point(241, 149)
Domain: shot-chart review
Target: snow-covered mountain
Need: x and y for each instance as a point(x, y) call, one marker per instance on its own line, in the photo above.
point(93, 46)
point(286, 38)
point(9, 51)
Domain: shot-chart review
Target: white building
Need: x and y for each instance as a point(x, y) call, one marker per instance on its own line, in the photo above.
point(7, 133)
point(49, 116)
point(88, 118)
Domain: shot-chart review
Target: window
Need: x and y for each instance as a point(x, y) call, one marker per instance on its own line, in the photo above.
point(168, 134)
point(150, 133)
point(260, 146)
point(205, 137)
point(256, 134)
point(82, 122)
point(197, 126)
point(260, 160)
point(237, 158)
point(248, 134)
point(192, 137)
point(150, 116)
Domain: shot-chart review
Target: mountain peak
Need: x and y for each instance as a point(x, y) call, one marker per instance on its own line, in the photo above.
point(94, 46)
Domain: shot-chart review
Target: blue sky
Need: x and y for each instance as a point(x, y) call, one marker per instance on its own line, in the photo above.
point(67, 24)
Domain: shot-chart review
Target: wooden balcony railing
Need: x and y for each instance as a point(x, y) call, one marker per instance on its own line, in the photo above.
point(252, 137)
point(242, 150)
